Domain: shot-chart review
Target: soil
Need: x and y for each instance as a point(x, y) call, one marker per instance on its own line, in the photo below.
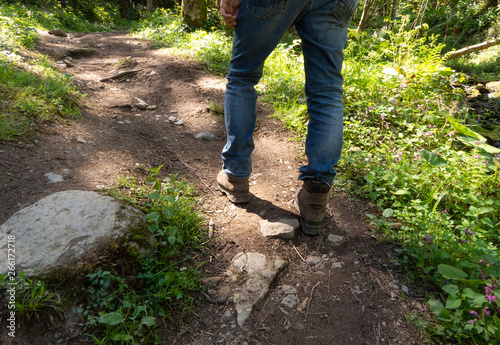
point(366, 301)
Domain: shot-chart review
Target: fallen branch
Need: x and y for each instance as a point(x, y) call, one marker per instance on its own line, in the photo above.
point(310, 298)
point(467, 50)
point(122, 74)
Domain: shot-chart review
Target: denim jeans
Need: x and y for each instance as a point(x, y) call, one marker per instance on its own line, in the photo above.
point(322, 27)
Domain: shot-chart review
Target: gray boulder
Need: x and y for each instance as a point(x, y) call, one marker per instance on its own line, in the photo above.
point(62, 228)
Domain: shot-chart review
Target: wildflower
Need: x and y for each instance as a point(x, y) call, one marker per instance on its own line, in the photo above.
point(450, 134)
point(487, 311)
point(477, 142)
point(468, 232)
point(476, 315)
point(489, 294)
point(428, 239)
point(382, 116)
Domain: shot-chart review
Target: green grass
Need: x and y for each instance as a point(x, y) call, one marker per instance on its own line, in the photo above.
point(409, 149)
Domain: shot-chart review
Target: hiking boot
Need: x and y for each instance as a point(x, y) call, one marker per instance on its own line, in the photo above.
point(311, 202)
point(236, 190)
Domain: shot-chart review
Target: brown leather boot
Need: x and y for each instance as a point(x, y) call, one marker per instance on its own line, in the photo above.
point(311, 202)
point(236, 190)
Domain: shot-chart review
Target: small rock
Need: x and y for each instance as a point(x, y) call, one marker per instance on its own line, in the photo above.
point(283, 228)
point(176, 121)
point(80, 52)
point(54, 178)
point(205, 136)
point(152, 107)
point(58, 32)
point(68, 63)
point(335, 239)
point(223, 294)
point(290, 301)
point(337, 264)
point(405, 289)
point(81, 140)
point(141, 104)
point(228, 315)
point(288, 289)
point(313, 260)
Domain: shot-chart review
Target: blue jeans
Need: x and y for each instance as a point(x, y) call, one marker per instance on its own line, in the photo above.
point(322, 27)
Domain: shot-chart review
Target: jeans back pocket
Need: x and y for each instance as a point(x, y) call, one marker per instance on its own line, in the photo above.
point(266, 9)
point(343, 11)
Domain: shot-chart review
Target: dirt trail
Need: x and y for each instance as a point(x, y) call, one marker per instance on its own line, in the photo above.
point(353, 297)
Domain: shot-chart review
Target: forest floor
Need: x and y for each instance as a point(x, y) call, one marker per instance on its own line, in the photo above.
point(365, 301)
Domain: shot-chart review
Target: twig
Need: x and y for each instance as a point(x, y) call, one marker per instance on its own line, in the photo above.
point(310, 298)
point(329, 278)
point(122, 74)
point(211, 228)
point(299, 254)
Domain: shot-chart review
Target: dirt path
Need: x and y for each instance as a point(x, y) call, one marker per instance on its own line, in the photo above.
point(353, 298)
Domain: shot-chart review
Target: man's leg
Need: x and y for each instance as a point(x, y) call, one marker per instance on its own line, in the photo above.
point(258, 31)
point(324, 33)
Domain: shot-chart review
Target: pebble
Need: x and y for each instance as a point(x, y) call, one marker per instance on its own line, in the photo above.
point(176, 121)
point(205, 136)
point(335, 239)
point(290, 301)
point(54, 178)
point(313, 260)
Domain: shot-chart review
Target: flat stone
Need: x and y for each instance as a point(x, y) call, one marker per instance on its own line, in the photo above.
point(209, 136)
point(59, 230)
point(313, 260)
point(290, 301)
point(58, 32)
point(336, 239)
point(176, 121)
point(254, 273)
point(287, 289)
point(80, 52)
point(283, 228)
point(54, 178)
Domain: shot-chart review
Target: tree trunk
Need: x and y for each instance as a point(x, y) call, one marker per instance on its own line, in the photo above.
point(149, 6)
point(395, 4)
point(467, 50)
point(123, 8)
point(194, 12)
point(365, 15)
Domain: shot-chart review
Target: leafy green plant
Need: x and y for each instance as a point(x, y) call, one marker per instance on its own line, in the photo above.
point(32, 297)
point(167, 278)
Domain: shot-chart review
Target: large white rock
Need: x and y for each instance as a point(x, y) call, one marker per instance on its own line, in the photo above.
point(59, 229)
point(283, 228)
point(254, 272)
